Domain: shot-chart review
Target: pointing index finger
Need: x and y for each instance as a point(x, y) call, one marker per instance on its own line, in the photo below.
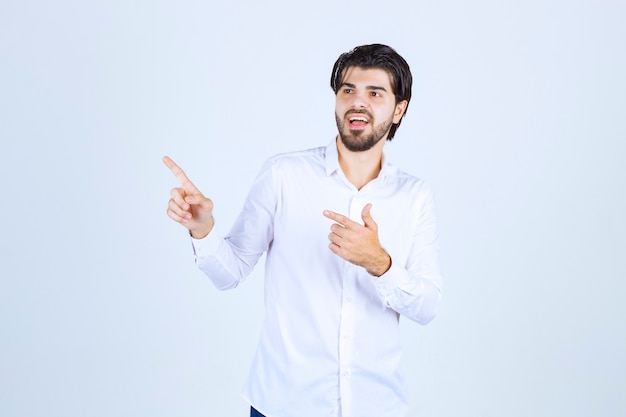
point(339, 218)
point(180, 175)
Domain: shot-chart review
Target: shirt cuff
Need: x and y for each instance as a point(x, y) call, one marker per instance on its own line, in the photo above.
point(206, 246)
point(387, 283)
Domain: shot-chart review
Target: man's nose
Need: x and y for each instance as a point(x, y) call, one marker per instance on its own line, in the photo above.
point(358, 101)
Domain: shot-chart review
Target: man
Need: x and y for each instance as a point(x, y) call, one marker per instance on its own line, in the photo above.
point(351, 244)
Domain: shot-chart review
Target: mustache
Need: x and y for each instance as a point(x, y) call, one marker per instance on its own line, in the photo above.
point(361, 111)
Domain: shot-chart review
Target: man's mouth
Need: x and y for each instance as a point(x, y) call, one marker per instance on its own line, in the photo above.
point(357, 121)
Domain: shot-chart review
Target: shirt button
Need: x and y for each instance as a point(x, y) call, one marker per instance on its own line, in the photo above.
point(348, 299)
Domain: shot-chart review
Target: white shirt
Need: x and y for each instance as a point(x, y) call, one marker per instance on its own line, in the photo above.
point(330, 341)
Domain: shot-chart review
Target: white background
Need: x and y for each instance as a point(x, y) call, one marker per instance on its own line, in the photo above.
point(518, 121)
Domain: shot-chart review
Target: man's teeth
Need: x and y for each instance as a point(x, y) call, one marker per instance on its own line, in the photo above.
point(359, 119)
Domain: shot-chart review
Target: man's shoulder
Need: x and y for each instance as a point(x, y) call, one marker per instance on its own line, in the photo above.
point(407, 181)
point(401, 175)
point(299, 158)
point(303, 153)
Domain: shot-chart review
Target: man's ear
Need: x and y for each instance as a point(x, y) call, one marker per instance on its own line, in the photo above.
point(400, 109)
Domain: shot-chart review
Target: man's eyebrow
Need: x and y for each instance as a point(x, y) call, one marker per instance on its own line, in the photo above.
point(369, 87)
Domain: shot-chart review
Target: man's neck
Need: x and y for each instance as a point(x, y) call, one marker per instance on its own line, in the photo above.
point(360, 167)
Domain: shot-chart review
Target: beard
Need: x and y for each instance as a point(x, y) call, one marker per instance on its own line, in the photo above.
point(360, 140)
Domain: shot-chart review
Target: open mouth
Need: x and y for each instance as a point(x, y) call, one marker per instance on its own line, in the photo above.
point(357, 122)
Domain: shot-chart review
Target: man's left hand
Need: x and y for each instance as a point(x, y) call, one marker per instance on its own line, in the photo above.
point(358, 243)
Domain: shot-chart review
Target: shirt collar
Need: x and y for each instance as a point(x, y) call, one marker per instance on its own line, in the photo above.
point(332, 161)
point(332, 158)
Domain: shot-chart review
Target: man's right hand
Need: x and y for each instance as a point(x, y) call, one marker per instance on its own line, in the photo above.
point(187, 205)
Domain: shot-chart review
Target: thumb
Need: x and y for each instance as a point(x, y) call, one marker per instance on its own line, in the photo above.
point(199, 199)
point(368, 220)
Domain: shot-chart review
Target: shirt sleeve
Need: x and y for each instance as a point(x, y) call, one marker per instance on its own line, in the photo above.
point(414, 289)
point(227, 261)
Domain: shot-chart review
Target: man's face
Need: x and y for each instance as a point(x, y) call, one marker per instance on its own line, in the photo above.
point(365, 108)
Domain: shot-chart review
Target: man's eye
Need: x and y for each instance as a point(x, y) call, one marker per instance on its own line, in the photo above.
point(375, 94)
point(347, 90)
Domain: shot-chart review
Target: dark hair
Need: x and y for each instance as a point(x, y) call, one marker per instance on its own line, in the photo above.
point(380, 57)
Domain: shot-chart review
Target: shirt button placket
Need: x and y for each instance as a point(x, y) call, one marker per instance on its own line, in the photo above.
point(356, 208)
point(346, 339)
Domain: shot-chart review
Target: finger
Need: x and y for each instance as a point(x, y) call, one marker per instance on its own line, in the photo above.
point(335, 239)
point(180, 175)
point(178, 210)
point(334, 248)
point(201, 201)
point(339, 218)
point(338, 229)
point(172, 215)
point(198, 198)
point(178, 196)
point(366, 215)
